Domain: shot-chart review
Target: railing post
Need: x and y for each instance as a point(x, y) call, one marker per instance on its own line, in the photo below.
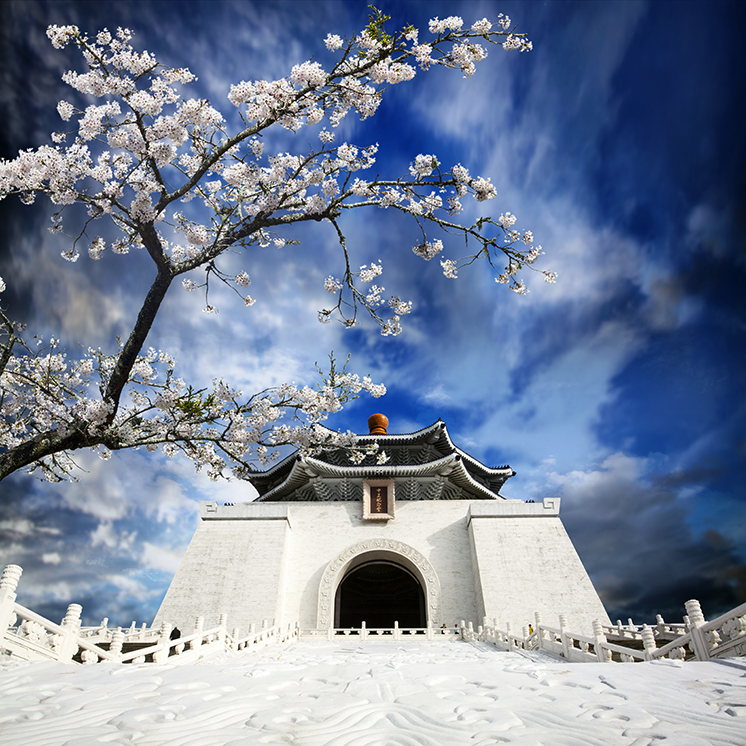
point(563, 636)
point(330, 633)
point(117, 641)
point(198, 627)
point(429, 629)
point(539, 635)
point(696, 620)
point(363, 632)
point(599, 640)
point(164, 639)
point(8, 584)
point(648, 641)
point(71, 624)
point(234, 643)
point(223, 623)
point(660, 624)
point(397, 634)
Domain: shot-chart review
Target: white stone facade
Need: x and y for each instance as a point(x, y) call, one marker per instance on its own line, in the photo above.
point(502, 559)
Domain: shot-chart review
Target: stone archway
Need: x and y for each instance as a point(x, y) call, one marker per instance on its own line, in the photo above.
point(382, 594)
point(370, 550)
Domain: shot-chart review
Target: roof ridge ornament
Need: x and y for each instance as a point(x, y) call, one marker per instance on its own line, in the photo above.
point(378, 424)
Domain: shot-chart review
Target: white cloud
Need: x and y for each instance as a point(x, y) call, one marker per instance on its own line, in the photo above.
point(161, 559)
point(437, 396)
point(109, 536)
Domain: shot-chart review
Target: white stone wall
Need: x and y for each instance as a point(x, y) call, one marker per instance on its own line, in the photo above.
point(504, 559)
point(234, 565)
point(526, 563)
point(436, 529)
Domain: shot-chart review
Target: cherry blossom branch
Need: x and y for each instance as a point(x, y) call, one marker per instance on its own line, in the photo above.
point(145, 151)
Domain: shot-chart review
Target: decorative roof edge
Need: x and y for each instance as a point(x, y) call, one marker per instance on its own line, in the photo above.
point(394, 439)
point(451, 466)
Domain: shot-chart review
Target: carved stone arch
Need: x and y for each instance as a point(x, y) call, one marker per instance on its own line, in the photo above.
point(384, 549)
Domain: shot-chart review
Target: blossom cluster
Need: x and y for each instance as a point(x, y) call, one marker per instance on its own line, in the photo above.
point(145, 126)
point(44, 391)
point(166, 170)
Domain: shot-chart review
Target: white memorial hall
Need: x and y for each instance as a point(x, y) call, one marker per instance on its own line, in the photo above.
point(425, 539)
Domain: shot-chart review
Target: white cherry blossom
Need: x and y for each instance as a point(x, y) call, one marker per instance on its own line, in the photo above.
point(176, 180)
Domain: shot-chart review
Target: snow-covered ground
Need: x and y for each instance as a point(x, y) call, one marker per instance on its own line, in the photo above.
point(379, 694)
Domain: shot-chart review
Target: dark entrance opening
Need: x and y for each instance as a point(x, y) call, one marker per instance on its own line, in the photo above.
point(379, 594)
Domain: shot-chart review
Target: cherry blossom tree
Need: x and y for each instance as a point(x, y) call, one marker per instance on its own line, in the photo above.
point(173, 178)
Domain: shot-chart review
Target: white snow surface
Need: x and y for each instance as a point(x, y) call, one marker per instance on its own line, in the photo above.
point(376, 694)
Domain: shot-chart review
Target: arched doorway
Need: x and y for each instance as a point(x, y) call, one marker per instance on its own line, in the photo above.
point(379, 593)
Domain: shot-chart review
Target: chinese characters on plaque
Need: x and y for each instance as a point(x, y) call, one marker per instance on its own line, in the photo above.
point(378, 499)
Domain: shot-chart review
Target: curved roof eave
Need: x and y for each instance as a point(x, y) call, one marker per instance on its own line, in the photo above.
point(438, 424)
point(308, 468)
point(288, 464)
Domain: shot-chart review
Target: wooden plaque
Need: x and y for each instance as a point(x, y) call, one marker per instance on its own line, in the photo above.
point(378, 499)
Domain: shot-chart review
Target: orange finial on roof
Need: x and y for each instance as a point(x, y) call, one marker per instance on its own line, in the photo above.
point(377, 424)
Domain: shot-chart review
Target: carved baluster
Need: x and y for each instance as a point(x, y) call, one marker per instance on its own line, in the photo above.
point(198, 627)
point(539, 631)
point(563, 635)
point(164, 641)
point(648, 641)
point(696, 620)
point(117, 641)
point(71, 623)
point(8, 584)
point(599, 640)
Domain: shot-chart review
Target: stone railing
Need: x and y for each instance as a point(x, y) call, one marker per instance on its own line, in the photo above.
point(396, 632)
point(695, 639)
point(26, 635)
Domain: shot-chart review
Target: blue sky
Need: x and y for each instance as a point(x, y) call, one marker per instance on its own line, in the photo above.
point(617, 141)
